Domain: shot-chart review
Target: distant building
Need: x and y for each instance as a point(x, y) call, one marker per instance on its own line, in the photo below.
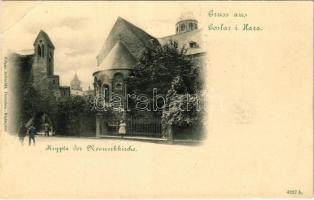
point(123, 48)
point(76, 83)
point(76, 88)
point(34, 69)
point(188, 35)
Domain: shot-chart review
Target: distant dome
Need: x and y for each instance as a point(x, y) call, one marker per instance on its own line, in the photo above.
point(75, 83)
point(75, 80)
point(186, 16)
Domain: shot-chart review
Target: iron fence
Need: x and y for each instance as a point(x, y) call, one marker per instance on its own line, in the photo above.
point(139, 126)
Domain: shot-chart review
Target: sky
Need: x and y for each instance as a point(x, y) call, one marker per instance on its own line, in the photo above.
point(79, 29)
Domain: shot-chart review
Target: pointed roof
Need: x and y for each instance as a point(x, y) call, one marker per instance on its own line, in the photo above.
point(188, 15)
point(43, 34)
point(75, 80)
point(118, 58)
point(134, 39)
point(75, 77)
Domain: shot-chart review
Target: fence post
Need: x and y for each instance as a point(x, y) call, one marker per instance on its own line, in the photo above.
point(99, 120)
point(169, 134)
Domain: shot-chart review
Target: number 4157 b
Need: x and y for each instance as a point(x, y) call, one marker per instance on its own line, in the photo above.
point(294, 192)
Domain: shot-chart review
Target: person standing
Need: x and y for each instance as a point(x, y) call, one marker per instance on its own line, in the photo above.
point(122, 129)
point(47, 129)
point(22, 133)
point(31, 134)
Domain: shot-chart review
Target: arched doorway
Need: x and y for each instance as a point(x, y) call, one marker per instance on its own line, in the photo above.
point(117, 83)
point(39, 120)
point(105, 92)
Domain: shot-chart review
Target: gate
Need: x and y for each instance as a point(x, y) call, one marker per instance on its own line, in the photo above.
point(140, 126)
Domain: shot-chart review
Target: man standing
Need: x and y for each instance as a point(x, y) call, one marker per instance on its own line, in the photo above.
point(22, 133)
point(47, 129)
point(31, 134)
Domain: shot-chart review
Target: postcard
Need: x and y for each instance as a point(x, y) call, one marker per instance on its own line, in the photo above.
point(156, 99)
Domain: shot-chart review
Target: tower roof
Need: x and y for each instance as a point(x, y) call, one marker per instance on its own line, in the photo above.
point(44, 35)
point(75, 80)
point(118, 58)
point(186, 16)
point(75, 77)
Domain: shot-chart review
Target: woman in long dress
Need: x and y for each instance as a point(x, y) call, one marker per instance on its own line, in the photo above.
point(122, 129)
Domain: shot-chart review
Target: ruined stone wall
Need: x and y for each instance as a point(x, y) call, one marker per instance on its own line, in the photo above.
point(19, 81)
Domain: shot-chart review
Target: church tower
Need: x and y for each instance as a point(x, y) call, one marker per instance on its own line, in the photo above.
point(43, 61)
point(76, 84)
point(186, 23)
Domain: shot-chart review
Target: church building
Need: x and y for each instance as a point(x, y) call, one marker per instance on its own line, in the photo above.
point(123, 48)
point(75, 85)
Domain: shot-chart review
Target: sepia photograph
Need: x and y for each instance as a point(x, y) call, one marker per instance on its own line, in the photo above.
point(139, 86)
point(156, 99)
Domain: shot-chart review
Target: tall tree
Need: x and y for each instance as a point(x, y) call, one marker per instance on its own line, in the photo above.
point(159, 66)
point(171, 71)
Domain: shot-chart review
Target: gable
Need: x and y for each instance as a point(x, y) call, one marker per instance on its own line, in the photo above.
point(133, 38)
point(43, 36)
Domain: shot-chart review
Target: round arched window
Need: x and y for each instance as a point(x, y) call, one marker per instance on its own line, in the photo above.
point(105, 92)
point(191, 26)
point(182, 27)
point(118, 86)
point(39, 50)
point(118, 82)
point(50, 56)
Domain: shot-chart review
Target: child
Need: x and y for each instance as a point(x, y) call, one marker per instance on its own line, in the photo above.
point(122, 129)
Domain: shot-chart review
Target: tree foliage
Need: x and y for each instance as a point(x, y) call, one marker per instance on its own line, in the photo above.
point(170, 70)
point(157, 68)
point(35, 103)
point(74, 114)
point(183, 110)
